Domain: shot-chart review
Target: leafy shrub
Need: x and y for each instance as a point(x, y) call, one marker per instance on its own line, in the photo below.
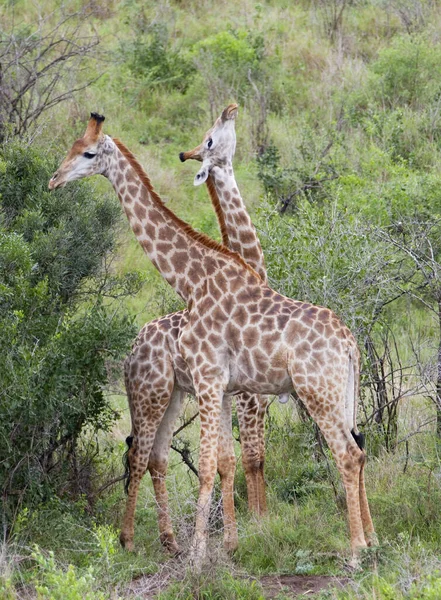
point(226, 61)
point(60, 340)
point(153, 62)
point(408, 71)
point(54, 583)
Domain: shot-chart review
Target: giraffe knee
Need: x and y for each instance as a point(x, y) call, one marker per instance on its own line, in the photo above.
point(252, 461)
point(226, 465)
point(158, 466)
point(353, 460)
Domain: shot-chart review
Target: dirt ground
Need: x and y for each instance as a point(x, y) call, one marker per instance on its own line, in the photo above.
point(292, 586)
point(299, 586)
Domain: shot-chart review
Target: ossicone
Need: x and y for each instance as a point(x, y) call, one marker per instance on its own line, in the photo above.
point(98, 118)
point(230, 112)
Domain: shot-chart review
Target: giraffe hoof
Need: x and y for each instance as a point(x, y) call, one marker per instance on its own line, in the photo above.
point(372, 540)
point(354, 564)
point(197, 557)
point(126, 543)
point(170, 544)
point(230, 545)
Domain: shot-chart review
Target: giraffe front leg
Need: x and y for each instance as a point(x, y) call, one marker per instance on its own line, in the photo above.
point(209, 410)
point(226, 466)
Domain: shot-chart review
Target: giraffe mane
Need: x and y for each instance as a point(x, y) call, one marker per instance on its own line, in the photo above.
point(219, 212)
point(197, 236)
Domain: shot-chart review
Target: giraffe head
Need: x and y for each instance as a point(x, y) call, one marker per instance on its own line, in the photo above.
point(218, 146)
point(87, 155)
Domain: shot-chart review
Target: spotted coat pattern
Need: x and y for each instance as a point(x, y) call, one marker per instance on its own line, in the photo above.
point(241, 336)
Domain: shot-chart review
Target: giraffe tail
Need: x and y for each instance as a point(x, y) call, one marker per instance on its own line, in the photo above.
point(352, 399)
point(126, 463)
point(130, 438)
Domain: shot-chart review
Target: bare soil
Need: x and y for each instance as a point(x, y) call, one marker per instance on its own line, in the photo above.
point(292, 586)
point(299, 586)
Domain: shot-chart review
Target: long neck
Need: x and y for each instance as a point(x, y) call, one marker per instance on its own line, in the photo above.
point(238, 232)
point(171, 245)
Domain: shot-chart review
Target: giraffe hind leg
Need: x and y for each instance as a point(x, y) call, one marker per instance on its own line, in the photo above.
point(368, 526)
point(147, 410)
point(158, 465)
point(247, 414)
point(263, 405)
point(347, 455)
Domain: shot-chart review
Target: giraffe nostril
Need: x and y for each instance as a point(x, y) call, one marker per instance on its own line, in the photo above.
point(54, 176)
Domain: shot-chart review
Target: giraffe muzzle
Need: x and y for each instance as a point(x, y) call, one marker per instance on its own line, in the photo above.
point(53, 181)
point(194, 154)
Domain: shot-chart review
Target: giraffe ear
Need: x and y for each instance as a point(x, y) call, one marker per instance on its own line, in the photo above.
point(107, 145)
point(201, 175)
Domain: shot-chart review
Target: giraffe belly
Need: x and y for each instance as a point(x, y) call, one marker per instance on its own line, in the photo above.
point(268, 381)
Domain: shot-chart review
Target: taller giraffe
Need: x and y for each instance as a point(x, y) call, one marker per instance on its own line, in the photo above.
point(156, 345)
point(241, 336)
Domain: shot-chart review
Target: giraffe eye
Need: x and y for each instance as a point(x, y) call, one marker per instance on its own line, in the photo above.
point(89, 155)
point(210, 143)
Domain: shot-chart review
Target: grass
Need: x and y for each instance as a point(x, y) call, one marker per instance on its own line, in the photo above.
point(306, 536)
point(311, 85)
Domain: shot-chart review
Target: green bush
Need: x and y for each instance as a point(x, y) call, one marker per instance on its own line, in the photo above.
point(153, 62)
point(408, 71)
point(225, 62)
point(54, 583)
point(60, 337)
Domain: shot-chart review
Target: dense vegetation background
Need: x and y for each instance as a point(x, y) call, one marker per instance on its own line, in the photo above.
point(338, 159)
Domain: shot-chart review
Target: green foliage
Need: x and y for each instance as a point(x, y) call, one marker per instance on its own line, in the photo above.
point(408, 71)
point(302, 474)
point(59, 337)
point(233, 51)
point(62, 228)
point(7, 591)
point(54, 583)
point(305, 177)
point(226, 62)
point(152, 60)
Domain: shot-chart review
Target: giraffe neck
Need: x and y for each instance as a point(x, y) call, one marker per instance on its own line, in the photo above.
point(183, 256)
point(238, 232)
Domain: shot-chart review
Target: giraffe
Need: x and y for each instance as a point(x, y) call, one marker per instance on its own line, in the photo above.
point(151, 371)
point(216, 154)
point(241, 335)
point(147, 359)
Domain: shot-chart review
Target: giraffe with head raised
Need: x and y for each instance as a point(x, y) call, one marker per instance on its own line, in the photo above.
point(238, 233)
point(156, 345)
point(241, 335)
